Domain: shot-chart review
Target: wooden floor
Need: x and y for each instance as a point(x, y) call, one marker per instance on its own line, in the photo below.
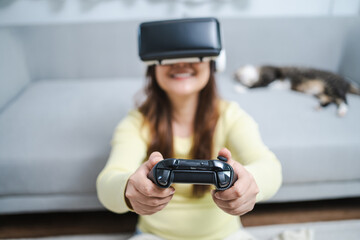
point(54, 224)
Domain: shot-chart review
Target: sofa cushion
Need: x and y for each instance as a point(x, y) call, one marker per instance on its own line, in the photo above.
point(312, 146)
point(56, 137)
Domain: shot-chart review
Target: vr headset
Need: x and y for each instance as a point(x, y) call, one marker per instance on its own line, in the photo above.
point(183, 40)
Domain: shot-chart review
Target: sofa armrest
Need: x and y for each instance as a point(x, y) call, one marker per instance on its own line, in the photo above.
point(13, 70)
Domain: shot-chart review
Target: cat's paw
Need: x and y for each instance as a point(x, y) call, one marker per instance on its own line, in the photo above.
point(342, 110)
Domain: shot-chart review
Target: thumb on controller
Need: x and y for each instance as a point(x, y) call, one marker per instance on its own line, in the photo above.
point(154, 158)
point(224, 152)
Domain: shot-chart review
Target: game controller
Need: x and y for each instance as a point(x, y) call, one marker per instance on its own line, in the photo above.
point(173, 170)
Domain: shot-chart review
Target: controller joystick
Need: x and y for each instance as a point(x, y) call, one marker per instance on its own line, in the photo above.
point(221, 158)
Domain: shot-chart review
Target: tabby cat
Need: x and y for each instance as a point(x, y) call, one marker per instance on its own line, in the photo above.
point(326, 86)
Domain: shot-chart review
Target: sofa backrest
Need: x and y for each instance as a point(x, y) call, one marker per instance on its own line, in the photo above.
point(109, 49)
point(309, 42)
point(82, 51)
point(350, 61)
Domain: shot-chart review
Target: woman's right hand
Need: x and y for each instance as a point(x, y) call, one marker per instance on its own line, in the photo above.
point(141, 194)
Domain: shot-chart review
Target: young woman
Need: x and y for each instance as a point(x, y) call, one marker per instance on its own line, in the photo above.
point(183, 117)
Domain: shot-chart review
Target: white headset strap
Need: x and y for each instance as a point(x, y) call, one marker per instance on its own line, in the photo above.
point(220, 61)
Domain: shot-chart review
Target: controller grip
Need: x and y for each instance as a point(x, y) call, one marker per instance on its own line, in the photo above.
point(160, 177)
point(151, 175)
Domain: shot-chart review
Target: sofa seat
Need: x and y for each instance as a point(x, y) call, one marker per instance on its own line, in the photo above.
point(318, 149)
point(55, 138)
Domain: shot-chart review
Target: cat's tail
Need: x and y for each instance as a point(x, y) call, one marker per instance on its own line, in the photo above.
point(354, 89)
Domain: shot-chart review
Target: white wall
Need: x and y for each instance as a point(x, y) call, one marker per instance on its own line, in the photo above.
point(24, 12)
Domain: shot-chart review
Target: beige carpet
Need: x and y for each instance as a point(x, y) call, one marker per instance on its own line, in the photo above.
point(333, 230)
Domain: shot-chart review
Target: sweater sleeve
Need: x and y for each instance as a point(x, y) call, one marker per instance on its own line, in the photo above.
point(127, 154)
point(247, 147)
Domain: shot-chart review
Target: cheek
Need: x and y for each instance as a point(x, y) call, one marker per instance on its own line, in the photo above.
point(160, 75)
point(204, 76)
point(159, 72)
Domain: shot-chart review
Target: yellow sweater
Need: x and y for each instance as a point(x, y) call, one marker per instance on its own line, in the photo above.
point(186, 217)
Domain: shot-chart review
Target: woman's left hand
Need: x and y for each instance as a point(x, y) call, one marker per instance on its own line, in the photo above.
point(241, 197)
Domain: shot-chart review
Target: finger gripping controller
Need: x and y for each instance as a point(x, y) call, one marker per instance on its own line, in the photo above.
point(173, 170)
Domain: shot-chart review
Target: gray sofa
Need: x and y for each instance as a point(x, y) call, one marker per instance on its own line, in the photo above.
point(64, 88)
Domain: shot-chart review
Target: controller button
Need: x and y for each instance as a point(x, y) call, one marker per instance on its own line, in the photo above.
point(204, 163)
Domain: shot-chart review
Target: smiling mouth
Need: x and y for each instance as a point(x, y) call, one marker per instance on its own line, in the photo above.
point(182, 75)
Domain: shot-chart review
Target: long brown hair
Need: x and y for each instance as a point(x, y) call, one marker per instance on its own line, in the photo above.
point(158, 115)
